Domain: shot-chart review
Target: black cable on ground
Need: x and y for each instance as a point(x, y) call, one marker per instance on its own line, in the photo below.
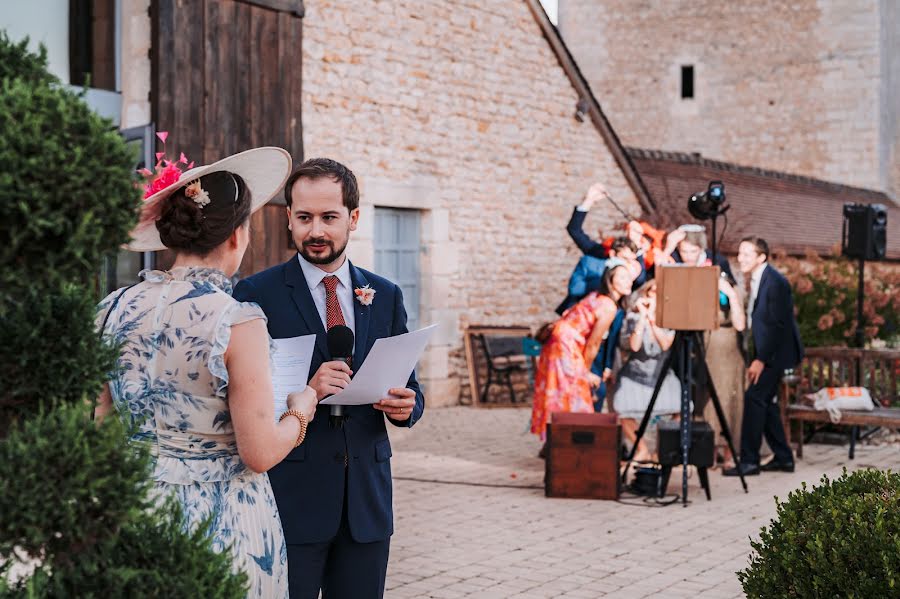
point(465, 484)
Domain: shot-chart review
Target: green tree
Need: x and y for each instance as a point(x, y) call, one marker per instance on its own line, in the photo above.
point(75, 498)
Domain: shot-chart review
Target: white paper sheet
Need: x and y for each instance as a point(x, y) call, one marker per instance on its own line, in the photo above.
point(388, 365)
point(290, 368)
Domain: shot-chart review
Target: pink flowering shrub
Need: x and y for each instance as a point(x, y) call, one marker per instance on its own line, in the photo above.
point(825, 299)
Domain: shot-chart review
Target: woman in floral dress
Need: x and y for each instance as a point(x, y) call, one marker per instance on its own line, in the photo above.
point(193, 374)
point(564, 381)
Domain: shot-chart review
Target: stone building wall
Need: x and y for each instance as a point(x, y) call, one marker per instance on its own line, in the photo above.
point(461, 110)
point(890, 96)
point(135, 62)
point(801, 86)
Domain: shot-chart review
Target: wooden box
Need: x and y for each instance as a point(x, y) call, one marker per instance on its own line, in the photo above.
point(687, 297)
point(583, 456)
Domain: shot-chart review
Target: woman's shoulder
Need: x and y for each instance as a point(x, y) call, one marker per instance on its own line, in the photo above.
point(235, 311)
point(604, 301)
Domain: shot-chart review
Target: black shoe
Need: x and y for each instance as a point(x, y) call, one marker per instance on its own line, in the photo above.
point(745, 469)
point(776, 466)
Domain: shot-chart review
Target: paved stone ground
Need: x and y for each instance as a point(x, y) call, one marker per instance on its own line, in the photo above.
point(472, 519)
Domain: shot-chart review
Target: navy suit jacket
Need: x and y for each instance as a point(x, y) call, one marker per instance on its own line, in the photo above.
point(776, 336)
point(309, 483)
point(585, 278)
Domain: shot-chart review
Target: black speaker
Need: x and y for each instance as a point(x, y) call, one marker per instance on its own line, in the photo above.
point(702, 452)
point(864, 233)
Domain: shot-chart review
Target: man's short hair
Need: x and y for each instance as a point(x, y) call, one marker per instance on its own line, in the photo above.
point(621, 243)
point(759, 243)
point(318, 168)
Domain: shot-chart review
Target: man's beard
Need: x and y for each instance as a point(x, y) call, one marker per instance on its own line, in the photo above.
point(328, 258)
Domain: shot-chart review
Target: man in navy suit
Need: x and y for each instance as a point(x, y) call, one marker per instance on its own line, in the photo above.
point(334, 490)
point(776, 347)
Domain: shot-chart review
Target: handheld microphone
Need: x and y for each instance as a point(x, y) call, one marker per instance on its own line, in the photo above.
point(340, 346)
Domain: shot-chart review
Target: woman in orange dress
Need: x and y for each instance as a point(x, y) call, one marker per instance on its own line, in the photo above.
point(564, 381)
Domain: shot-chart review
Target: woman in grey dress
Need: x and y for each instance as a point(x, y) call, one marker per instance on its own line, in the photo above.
point(193, 375)
point(644, 347)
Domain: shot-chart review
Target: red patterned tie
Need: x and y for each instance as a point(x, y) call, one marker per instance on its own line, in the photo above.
point(333, 314)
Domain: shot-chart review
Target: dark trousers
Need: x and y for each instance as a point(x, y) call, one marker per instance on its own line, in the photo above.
point(342, 568)
point(763, 417)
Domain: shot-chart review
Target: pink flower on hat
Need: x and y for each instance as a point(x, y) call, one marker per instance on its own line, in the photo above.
point(166, 172)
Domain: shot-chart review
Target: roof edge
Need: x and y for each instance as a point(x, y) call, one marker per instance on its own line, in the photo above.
point(583, 88)
point(697, 159)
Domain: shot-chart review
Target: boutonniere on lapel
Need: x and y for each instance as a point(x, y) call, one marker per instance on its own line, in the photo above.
point(364, 295)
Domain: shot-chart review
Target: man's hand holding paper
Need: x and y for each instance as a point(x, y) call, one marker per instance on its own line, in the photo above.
point(381, 378)
point(399, 405)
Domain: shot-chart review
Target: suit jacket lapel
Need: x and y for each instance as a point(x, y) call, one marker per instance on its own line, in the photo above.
point(362, 316)
point(301, 295)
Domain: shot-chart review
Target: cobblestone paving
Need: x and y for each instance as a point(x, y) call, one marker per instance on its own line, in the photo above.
point(472, 519)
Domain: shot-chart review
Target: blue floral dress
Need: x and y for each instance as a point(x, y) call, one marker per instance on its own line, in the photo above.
point(172, 384)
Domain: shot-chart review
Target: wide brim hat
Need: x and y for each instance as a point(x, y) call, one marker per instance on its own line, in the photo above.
point(264, 171)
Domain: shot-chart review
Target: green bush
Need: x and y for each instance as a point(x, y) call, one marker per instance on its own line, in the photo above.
point(67, 194)
point(76, 504)
point(152, 556)
point(839, 539)
point(78, 494)
point(16, 61)
point(49, 350)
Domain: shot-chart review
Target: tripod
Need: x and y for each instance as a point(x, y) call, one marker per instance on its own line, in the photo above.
point(683, 346)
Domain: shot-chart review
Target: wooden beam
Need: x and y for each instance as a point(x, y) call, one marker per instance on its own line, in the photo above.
point(294, 7)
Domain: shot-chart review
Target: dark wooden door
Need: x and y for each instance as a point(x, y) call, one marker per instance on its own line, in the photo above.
point(227, 77)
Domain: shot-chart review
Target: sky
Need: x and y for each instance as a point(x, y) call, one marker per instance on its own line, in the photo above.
point(551, 7)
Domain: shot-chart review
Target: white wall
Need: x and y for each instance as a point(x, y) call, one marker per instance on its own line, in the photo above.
point(42, 21)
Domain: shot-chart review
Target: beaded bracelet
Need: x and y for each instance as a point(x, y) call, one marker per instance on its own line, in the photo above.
point(303, 424)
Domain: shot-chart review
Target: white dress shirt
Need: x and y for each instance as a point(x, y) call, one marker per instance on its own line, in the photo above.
point(755, 278)
point(314, 276)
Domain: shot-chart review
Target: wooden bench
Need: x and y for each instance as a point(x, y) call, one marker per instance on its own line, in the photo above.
point(505, 356)
point(877, 370)
point(500, 355)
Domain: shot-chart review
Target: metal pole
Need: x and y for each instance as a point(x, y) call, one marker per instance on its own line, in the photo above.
point(860, 318)
point(686, 396)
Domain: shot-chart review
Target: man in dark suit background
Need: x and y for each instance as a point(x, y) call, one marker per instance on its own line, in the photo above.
point(334, 491)
point(776, 346)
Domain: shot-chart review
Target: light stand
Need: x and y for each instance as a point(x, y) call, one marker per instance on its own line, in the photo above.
point(707, 205)
point(860, 317)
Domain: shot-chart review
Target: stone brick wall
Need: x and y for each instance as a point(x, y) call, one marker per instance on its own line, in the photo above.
point(890, 95)
point(787, 85)
point(459, 109)
point(135, 62)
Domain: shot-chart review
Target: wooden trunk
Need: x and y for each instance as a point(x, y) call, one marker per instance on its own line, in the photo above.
point(583, 456)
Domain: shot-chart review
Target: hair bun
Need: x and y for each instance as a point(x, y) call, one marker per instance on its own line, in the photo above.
point(187, 224)
point(181, 221)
